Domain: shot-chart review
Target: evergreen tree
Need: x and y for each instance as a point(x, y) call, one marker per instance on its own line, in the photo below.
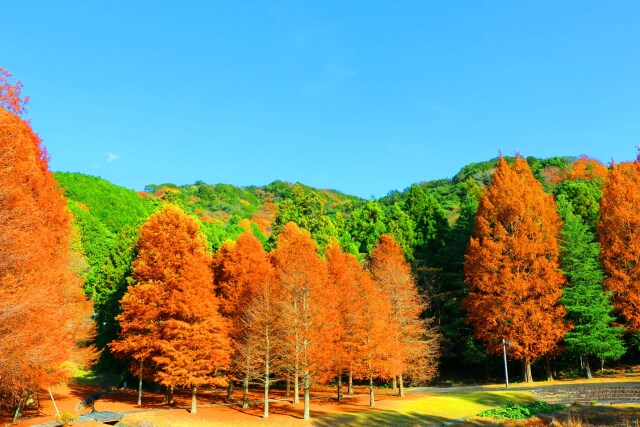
point(430, 219)
point(587, 304)
point(448, 289)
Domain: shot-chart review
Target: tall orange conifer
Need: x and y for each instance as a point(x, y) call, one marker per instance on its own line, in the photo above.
point(301, 276)
point(512, 267)
point(619, 235)
point(416, 344)
point(44, 314)
point(344, 276)
point(188, 337)
point(245, 282)
point(377, 340)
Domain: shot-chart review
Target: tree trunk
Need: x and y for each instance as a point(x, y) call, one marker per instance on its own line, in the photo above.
point(265, 413)
point(394, 385)
point(230, 389)
point(140, 385)
point(307, 388)
point(527, 372)
point(547, 367)
point(296, 387)
point(193, 400)
point(287, 390)
point(601, 366)
point(245, 392)
point(587, 368)
point(18, 412)
point(372, 401)
point(168, 395)
point(350, 384)
point(401, 386)
point(340, 396)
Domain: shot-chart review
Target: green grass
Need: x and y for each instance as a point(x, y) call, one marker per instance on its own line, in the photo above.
point(429, 409)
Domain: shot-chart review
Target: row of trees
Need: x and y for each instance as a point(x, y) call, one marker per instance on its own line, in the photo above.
point(534, 268)
point(191, 319)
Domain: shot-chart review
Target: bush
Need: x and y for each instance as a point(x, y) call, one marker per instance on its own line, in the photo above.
point(517, 411)
point(66, 419)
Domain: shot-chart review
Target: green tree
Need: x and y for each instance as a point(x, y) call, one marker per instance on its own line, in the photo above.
point(96, 242)
point(447, 287)
point(308, 211)
point(431, 223)
point(584, 197)
point(402, 228)
point(112, 279)
point(366, 224)
point(588, 305)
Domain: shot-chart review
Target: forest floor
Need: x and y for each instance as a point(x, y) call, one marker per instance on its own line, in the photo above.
point(420, 407)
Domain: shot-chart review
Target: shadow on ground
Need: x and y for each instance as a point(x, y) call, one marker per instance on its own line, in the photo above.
point(377, 418)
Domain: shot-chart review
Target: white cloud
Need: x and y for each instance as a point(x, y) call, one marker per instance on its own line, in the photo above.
point(112, 157)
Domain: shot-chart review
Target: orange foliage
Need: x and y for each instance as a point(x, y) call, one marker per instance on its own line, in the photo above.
point(10, 94)
point(619, 233)
point(586, 168)
point(83, 206)
point(245, 224)
point(240, 268)
point(512, 266)
point(44, 314)
point(265, 216)
point(302, 277)
point(554, 175)
point(415, 347)
point(171, 314)
point(583, 168)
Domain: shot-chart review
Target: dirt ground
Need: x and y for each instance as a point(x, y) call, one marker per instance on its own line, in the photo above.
point(324, 407)
point(209, 412)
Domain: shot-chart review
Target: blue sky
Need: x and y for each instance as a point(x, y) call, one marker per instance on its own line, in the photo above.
point(364, 97)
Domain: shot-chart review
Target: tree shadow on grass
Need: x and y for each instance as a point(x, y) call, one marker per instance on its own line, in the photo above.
point(493, 399)
point(378, 418)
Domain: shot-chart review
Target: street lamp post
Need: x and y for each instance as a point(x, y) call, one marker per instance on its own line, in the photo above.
point(504, 353)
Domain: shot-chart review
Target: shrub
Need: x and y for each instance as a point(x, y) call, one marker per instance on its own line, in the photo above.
point(517, 411)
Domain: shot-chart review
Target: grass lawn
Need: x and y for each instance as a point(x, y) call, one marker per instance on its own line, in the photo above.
point(426, 409)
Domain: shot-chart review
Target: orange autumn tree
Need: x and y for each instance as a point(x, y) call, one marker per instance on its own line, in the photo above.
point(301, 276)
point(186, 337)
point(376, 342)
point(264, 339)
point(512, 267)
point(619, 235)
point(344, 276)
point(416, 344)
point(244, 281)
point(44, 315)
